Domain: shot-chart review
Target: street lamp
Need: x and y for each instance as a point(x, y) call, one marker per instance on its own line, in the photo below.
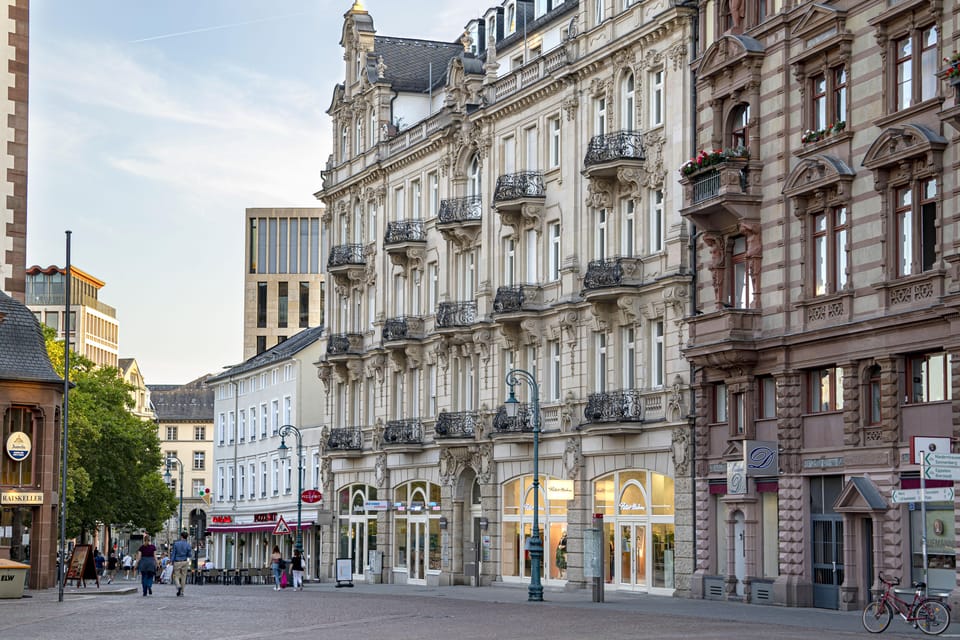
point(286, 430)
point(514, 377)
point(167, 477)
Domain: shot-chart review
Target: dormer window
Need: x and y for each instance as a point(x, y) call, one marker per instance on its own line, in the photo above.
point(511, 18)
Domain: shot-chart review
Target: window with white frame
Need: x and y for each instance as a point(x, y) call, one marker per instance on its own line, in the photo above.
point(417, 295)
point(433, 287)
point(599, 116)
point(220, 484)
point(263, 420)
point(467, 275)
point(371, 309)
point(599, 11)
point(532, 271)
point(243, 425)
point(532, 155)
point(628, 102)
point(474, 182)
point(199, 487)
point(372, 221)
point(221, 421)
point(275, 416)
point(656, 98)
point(398, 203)
point(315, 466)
point(416, 200)
point(415, 393)
point(600, 364)
point(358, 137)
point(657, 358)
point(432, 390)
point(242, 487)
point(276, 477)
point(287, 477)
point(231, 482)
point(199, 460)
point(199, 432)
point(344, 142)
point(628, 231)
point(553, 128)
point(231, 427)
point(509, 261)
point(371, 398)
point(263, 479)
point(600, 246)
point(553, 349)
point(656, 231)
point(509, 155)
point(554, 251)
point(374, 129)
point(171, 432)
point(629, 353)
point(433, 185)
point(287, 410)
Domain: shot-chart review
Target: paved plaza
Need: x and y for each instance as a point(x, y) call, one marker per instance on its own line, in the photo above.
point(250, 612)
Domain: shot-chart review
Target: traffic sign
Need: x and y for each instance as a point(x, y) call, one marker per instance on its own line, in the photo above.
point(311, 496)
point(281, 529)
point(941, 473)
point(938, 494)
point(942, 460)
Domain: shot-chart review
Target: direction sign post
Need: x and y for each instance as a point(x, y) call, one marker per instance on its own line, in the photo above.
point(939, 494)
point(950, 460)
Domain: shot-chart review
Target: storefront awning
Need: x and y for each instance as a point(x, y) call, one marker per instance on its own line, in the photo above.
point(253, 527)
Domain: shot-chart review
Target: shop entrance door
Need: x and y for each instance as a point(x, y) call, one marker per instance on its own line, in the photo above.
point(827, 561)
point(632, 563)
point(417, 544)
point(358, 536)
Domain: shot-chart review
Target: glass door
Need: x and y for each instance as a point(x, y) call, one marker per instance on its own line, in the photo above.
point(417, 546)
point(357, 538)
point(632, 557)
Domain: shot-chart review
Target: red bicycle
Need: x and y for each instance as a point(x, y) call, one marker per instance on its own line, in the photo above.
point(927, 614)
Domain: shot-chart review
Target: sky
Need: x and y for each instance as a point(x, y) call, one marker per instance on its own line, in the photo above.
point(154, 125)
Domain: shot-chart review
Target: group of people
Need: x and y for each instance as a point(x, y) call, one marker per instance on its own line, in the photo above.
point(278, 565)
point(179, 560)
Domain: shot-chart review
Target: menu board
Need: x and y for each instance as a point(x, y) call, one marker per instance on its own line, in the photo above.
point(81, 566)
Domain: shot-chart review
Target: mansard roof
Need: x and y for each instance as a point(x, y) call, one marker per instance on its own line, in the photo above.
point(192, 402)
point(409, 61)
point(279, 353)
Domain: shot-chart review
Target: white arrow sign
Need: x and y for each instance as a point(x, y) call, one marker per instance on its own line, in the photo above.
point(951, 460)
point(939, 494)
point(941, 473)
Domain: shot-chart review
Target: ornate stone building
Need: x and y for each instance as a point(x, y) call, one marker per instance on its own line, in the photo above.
point(825, 319)
point(507, 201)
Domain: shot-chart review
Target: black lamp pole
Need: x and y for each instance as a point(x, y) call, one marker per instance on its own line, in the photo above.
point(286, 430)
point(168, 477)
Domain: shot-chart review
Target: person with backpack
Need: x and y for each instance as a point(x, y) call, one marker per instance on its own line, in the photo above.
point(296, 564)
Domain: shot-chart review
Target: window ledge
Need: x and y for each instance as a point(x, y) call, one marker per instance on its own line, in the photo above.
point(909, 113)
point(813, 148)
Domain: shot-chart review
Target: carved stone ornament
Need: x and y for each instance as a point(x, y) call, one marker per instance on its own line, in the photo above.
point(572, 458)
point(380, 471)
point(483, 463)
point(681, 451)
point(598, 193)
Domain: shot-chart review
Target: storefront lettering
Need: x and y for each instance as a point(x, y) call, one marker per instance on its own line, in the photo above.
point(15, 497)
point(265, 517)
point(221, 519)
point(632, 506)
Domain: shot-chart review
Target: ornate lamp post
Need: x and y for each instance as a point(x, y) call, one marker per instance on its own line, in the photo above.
point(286, 430)
point(167, 477)
point(535, 543)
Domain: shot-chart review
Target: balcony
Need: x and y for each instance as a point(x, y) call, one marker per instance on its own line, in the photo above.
point(724, 338)
point(516, 302)
point(405, 241)
point(401, 330)
point(451, 315)
point(719, 196)
point(609, 278)
point(518, 199)
point(403, 433)
point(460, 425)
point(347, 262)
point(345, 439)
point(614, 406)
point(608, 153)
point(342, 345)
point(459, 219)
point(520, 423)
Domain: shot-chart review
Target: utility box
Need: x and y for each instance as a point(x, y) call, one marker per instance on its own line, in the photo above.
point(375, 567)
point(13, 576)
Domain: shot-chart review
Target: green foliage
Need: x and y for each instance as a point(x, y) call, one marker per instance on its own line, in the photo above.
point(114, 457)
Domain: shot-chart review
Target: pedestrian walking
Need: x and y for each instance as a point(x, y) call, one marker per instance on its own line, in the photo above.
point(297, 566)
point(111, 566)
point(127, 565)
point(276, 564)
point(180, 557)
point(147, 565)
point(98, 562)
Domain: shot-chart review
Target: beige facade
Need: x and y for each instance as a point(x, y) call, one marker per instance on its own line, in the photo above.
point(283, 282)
point(15, 23)
point(519, 213)
point(825, 327)
point(140, 394)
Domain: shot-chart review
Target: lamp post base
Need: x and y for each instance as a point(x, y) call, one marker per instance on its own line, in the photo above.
point(535, 591)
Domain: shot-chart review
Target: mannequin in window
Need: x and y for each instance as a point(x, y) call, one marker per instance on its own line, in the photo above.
point(561, 555)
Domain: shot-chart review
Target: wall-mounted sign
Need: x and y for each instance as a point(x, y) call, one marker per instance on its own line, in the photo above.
point(18, 446)
point(265, 517)
point(762, 458)
point(21, 497)
point(311, 496)
point(221, 519)
point(558, 489)
point(736, 478)
point(377, 505)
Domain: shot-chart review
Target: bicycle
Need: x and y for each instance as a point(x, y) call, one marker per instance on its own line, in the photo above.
point(927, 614)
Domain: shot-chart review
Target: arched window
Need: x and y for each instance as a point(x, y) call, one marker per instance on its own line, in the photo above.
point(358, 137)
point(628, 110)
point(473, 177)
point(344, 142)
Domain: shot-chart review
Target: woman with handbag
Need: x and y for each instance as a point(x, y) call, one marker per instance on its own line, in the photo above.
point(147, 565)
point(275, 564)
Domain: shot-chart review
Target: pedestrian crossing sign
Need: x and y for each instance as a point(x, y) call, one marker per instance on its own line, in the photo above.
point(281, 529)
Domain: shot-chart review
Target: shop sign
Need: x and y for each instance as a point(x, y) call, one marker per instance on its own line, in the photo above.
point(265, 517)
point(18, 446)
point(736, 478)
point(18, 497)
point(310, 496)
point(221, 519)
point(376, 505)
point(559, 489)
point(400, 506)
point(433, 506)
point(762, 458)
point(416, 507)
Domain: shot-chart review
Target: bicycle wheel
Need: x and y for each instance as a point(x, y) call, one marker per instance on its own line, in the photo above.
point(932, 616)
point(877, 616)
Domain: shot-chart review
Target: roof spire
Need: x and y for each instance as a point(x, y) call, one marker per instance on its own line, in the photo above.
point(357, 6)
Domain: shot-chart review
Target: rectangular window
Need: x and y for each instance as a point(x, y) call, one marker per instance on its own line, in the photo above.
point(433, 184)
point(720, 402)
point(830, 251)
point(171, 433)
point(739, 414)
point(532, 155)
point(629, 375)
point(261, 245)
point(263, 479)
point(509, 261)
point(283, 299)
point(221, 422)
point(253, 480)
point(303, 295)
point(767, 389)
point(261, 344)
point(252, 246)
point(916, 75)
point(276, 477)
point(742, 285)
point(656, 221)
point(263, 419)
point(874, 415)
point(628, 230)
point(372, 221)
point(398, 208)
point(599, 115)
point(554, 132)
point(243, 425)
point(818, 98)
point(826, 389)
point(600, 247)
point(432, 390)
point(656, 98)
point(600, 373)
point(282, 241)
point(657, 357)
point(293, 244)
point(433, 286)
point(261, 305)
point(287, 410)
point(199, 432)
point(416, 200)
point(555, 371)
point(275, 416)
point(916, 217)
point(839, 95)
point(554, 251)
point(928, 378)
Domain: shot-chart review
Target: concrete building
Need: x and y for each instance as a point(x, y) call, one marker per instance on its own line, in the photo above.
point(283, 283)
point(131, 374)
point(31, 397)
point(825, 330)
point(95, 328)
point(254, 486)
point(184, 416)
point(15, 22)
point(507, 201)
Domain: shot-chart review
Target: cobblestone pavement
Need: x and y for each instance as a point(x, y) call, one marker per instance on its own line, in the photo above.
point(253, 612)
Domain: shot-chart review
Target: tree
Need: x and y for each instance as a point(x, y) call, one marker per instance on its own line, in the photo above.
point(114, 458)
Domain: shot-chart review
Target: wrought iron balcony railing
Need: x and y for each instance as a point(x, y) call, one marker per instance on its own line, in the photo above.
point(706, 186)
point(403, 432)
point(607, 272)
point(461, 424)
point(516, 298)
point(345, 438)
point(402, 328)
point(346, 254)
point(467, 209)
point(520, 423)
point(513, 186)
point(456, 314)
point(405, 231)
point(340, 344)
point(623, 145)
point(614, 406)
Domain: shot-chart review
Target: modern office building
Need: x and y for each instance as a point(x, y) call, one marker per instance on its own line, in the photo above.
point(283, 283)
point(15, 22)
point(507, 200)
point(184, 416)
point(94, 326)
point(825, 335)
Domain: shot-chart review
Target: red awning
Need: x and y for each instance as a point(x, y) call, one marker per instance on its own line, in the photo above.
point(253, 527)
point(914, 483)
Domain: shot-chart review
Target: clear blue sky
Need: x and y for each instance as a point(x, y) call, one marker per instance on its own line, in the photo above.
point(153, 125)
